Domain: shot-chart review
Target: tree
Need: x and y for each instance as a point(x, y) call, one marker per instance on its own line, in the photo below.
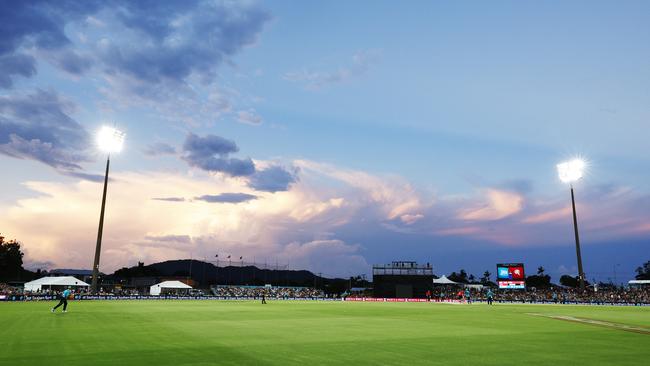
point(459, 277)
point(539, 281)
point(570, 281)
point(486, 277)
point(471, 278)
point(139, 271)
point(643, 272)
point(540, 271)
point(11, 259)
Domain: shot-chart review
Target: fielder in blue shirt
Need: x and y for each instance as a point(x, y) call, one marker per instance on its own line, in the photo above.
point(468, 296)
point(63, 300)
point(490, 296)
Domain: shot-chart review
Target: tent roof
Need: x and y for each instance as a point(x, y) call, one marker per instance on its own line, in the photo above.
point(57, 281)
point(171, 284)
point(639, 282)
point(444, 281)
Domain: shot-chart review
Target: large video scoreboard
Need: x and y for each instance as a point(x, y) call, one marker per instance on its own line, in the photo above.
point(511, 276)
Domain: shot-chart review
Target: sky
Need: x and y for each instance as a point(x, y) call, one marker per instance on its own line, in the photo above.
point(328, 136)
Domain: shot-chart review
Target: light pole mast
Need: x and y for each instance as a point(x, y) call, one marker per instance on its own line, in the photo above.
point(569, 172)
point(581, 274)
point(109, 140)
point(98, 247)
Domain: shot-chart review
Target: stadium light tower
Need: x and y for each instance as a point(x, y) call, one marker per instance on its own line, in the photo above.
point(109, 140)
point(569, 172)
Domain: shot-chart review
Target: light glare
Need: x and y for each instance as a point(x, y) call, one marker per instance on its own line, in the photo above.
point(571, 171)
point(110, 140)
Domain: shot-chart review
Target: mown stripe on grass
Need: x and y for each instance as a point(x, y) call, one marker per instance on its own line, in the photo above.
point(601, 323)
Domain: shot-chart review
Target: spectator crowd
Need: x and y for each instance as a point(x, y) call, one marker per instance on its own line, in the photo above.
point(268, 292)
point(560, 295)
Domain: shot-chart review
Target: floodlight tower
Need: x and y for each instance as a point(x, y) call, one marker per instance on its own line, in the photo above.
point(569, 172)
point(109, 140)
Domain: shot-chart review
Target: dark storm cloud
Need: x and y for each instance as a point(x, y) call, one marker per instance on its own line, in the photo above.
point(211, 152)
point(227, 198)
point(273, 179)
point(37, 126)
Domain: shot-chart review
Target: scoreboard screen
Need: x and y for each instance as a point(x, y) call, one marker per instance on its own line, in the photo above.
point(511, 276)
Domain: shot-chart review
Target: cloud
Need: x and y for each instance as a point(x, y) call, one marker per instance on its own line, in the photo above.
point(159, 148)
point(138, 228)
point(273, 179)
point(498, 205)
point(392, 196)
point(332, 220)
point(227, 198)
point(39, 25)
point(409, 219)
point(143, 54)
point(168, 31)
point(169, 199)
point(152, 41)
point(359, 65)
point(249, 117)
point(38, 127)
point(36, 265)
point(13, 65)
point(330, 257)
point(170, 238)
point(552, 215)
point(210, 153)
point(153, 59)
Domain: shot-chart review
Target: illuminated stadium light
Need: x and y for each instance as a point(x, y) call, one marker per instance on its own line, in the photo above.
point(571, 171)
point(110, 140)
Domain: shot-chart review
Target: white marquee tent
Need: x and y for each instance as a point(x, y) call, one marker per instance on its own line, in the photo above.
point(178, 286)
point(639, 282)
point(49, 282)
point(444, 281)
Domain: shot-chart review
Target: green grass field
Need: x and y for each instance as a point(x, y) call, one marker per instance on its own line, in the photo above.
point(316, 333)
